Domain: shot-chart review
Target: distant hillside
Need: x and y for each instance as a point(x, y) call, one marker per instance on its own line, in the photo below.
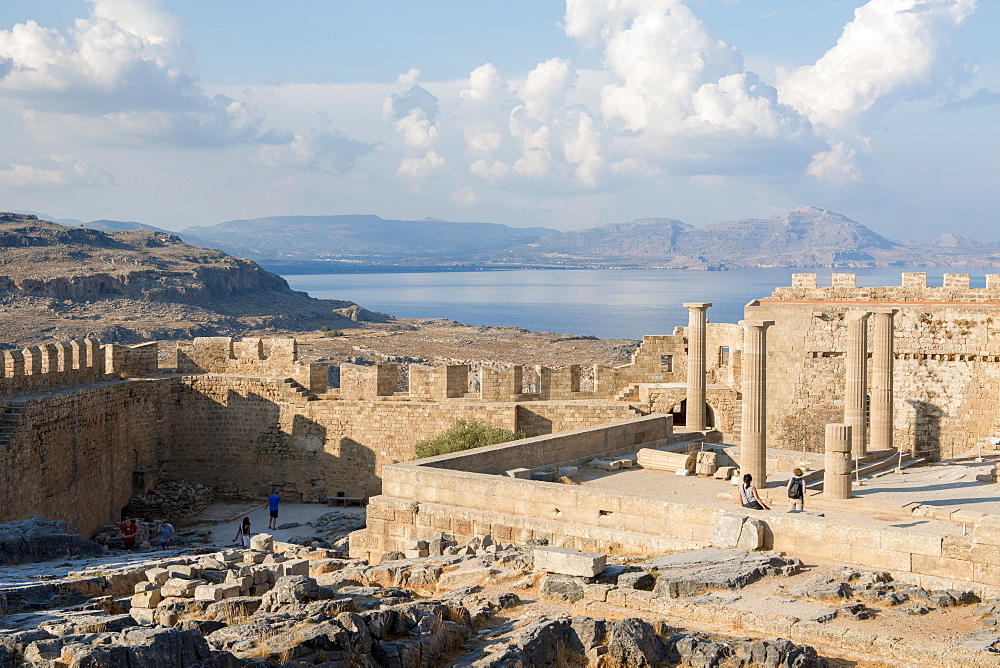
point(131, 285)
point(291, 238)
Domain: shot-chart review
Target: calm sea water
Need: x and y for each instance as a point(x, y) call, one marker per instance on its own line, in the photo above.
point(602, 303)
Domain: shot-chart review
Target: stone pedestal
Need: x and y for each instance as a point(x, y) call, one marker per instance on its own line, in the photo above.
point(696, 408)
point(837, 473)
point(753, 443)
point(856, 382)
point(881, 379)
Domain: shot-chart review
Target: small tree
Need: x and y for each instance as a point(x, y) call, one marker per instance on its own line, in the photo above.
point(464, 435)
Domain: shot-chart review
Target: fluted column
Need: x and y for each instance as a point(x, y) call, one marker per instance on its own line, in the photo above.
point(882, 363)
point(696, 407)
point(856, 383)
point(837, 470)
point(753, 442)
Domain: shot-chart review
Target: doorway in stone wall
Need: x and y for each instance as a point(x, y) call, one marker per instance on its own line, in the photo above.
point(680, 415)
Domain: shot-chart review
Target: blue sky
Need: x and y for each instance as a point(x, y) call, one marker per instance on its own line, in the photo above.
point(566, 115)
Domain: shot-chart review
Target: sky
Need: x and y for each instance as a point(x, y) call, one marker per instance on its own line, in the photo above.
point(177, 113)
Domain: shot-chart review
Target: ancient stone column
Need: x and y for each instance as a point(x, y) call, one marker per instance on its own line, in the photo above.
point(882, 362)
point(696, 407)
point(753, 442)
point(856, 385)
point(837, 471)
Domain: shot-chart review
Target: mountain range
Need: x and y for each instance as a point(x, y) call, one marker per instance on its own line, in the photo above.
point(803, 237)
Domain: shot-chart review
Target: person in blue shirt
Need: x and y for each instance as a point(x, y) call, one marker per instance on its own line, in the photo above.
point(272, 505)
point(166, 534)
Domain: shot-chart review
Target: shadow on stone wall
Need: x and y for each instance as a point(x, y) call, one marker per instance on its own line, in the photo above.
point(927, 429)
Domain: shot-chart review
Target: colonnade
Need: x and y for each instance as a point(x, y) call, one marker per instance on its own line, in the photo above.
point(857, 409)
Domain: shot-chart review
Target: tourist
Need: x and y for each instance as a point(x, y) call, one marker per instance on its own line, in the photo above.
point(166, 534)
point(129, 531)
point(272, 505)
point(796, 492)
point(243, 533)
point(748, 496)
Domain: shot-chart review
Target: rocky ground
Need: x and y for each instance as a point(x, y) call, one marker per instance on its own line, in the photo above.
point(444, 603)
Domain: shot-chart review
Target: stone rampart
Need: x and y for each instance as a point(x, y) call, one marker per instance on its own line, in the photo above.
point(67, 363)
point(250, 357)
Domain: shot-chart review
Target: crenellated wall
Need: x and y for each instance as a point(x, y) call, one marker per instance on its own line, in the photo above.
point(250, 357)
point(946, 357)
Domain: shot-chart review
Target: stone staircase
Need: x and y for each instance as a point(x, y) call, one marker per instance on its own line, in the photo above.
point(630, 393)
point(296, 392)
point(872, 463)
point(9, 421)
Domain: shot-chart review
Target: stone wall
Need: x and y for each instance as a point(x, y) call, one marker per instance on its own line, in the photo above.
point(250, 357)
point(947, 357)
point(72, 453)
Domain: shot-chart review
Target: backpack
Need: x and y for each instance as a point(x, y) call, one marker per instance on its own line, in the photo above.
point(795, 489)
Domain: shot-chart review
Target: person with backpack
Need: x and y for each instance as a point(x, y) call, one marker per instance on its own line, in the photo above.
point(796, 492)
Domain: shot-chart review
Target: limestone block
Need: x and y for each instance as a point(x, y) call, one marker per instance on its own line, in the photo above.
point(143, 615)
point(625, 463)
point(604, 464)
point(227, 556)
point(250, 557)
point(543, 476)
point(188, 572)
point(737, 531)
point(242, 583)
point(146, 599)
point(568, 471)
point(987, 533)
point(706, 463)
point(724, 472)
point(229, 590)
point(295, 567)
point(157, 575)
point(567, 561)
point(415, 554)
point(262, 541)
point(208, 593)
point(520, 473)
point(415, 545)
point(144, 586)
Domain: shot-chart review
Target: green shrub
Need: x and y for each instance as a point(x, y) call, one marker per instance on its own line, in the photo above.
point(464, 435)
point(333, 333)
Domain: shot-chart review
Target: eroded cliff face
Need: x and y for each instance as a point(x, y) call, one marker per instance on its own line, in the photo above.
point(128, 286)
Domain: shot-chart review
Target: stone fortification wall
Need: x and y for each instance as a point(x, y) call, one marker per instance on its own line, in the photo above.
point(947, 357)
point(71, 454)
point(250, 357)
point(66, 363)
point(248, 435)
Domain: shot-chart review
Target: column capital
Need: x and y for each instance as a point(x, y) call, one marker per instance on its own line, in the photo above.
point(756, 324)
point(885, 311)
point(701, 305)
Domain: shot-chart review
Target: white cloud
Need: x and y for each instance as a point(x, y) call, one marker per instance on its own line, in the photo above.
point(893, 49)
point(53, 171)
point(838, 165)
point(413, 113)
point(329, 152)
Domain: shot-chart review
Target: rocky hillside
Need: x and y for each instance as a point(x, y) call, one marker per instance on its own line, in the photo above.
point(325, 237)
point(131, 285)
point(804, 237)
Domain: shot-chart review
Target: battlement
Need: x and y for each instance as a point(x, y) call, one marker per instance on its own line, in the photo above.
point(426, 383)
point(250, 357)
point(55, 365)
point(913, 287)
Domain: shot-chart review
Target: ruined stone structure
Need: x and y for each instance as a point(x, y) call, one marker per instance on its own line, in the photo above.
point(82, 424)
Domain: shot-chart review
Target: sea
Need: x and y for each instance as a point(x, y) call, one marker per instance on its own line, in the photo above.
point(606, 303)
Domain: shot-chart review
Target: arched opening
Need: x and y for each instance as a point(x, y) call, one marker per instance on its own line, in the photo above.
point(680, 414)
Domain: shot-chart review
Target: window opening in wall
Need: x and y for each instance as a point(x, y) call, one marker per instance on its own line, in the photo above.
point(667, 363)
point(723, 355)
point(474, 386)
point(529, 381)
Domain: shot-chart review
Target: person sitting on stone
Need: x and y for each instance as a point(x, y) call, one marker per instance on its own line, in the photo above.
point(748, 496)
point(129, 531)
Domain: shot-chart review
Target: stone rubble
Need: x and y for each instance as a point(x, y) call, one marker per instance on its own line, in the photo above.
point(171, 499)
point(35, 539)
